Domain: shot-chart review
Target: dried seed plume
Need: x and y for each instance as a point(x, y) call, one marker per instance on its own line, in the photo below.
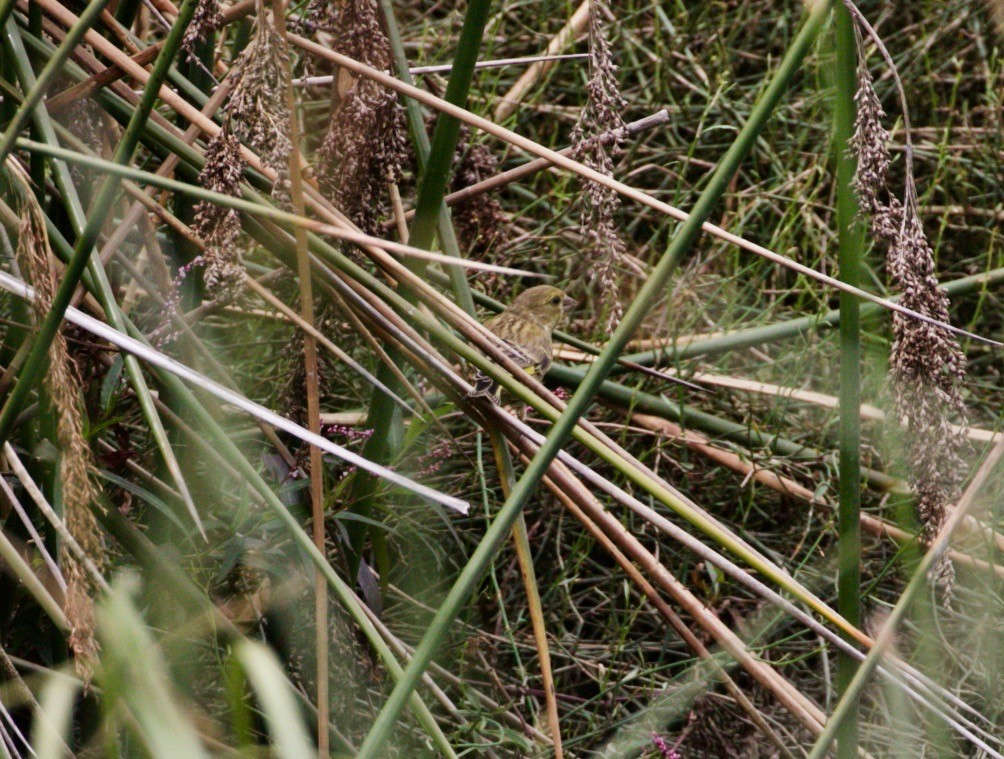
point(927, 364)
point(257, 107)
point(218, 226)
point(366, 143)
point(480, 221)
point(63, 385)
point(605, 250)
point(207, 19)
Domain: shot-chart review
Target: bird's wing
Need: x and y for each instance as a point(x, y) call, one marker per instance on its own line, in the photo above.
point(534, 358)
point(527, 356)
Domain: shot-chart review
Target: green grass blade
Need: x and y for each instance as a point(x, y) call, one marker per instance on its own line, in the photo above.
point(226, 448)
point(103, 291)
point(160, 360)
point(420, 142)
point(383, 417)
point(285, 723)
point(133, 666)
point(851, 243)
point(89, 17)
point(51, 728)
point(848, 702)
point(444, 137)
point(785, 330)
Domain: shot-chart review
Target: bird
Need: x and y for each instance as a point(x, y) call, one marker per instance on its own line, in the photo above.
point(525, 327)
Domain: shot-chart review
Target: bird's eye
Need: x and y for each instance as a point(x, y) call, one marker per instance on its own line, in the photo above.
point(556, 300)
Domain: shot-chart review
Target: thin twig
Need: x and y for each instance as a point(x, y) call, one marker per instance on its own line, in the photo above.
point(313, 81)
point(530, 168)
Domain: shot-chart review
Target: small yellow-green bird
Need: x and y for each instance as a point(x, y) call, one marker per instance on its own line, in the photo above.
point(525, 327)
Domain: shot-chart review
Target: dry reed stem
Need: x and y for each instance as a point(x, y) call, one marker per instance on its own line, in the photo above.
point(312, 389)
point(788, 487)
point(38, 498)
point(630, 192)
point(502, 179)
point(798, 705)
point(456, 316)
point(793, 697)
point(570, 492)
point(868, 411)
point(524, 558)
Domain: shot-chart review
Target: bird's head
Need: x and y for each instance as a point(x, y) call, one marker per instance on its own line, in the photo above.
point(547, 304)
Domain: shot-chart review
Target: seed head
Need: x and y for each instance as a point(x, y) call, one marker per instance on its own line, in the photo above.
point(218, 226)
point(207, 19)
point(480, 221)
point(63, 385)
point(870, 144)
point(927, 364)
point(366, 142)
point(604, 253)
point(257, 106)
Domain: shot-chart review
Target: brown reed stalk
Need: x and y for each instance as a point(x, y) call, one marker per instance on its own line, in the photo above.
point(311, 386)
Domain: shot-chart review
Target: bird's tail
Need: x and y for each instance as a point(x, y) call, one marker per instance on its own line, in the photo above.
point(485, 387)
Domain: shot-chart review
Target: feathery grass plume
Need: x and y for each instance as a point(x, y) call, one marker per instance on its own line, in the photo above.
point(927, 364)
point(207, 19)
point(480, 221)
point(366, 142)
point(86, 121)
point(319, 16)
point(319, 22)
point(928, 369)
point(870, 144)
point(220, 227)
point(602, 113)
point(257, 105)
point(63, 384)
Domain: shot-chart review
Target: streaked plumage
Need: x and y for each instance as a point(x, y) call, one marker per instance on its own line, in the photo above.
point(525, 327)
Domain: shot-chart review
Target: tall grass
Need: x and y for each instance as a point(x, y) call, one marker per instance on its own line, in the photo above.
point(303, 533)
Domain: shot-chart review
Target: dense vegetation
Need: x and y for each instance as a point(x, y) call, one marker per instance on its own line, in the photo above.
point(234, 410)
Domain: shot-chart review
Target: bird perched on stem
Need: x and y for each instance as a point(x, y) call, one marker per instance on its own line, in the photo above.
point(525, 327)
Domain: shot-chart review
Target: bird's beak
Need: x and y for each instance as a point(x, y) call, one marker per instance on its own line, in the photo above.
point(569, 303)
